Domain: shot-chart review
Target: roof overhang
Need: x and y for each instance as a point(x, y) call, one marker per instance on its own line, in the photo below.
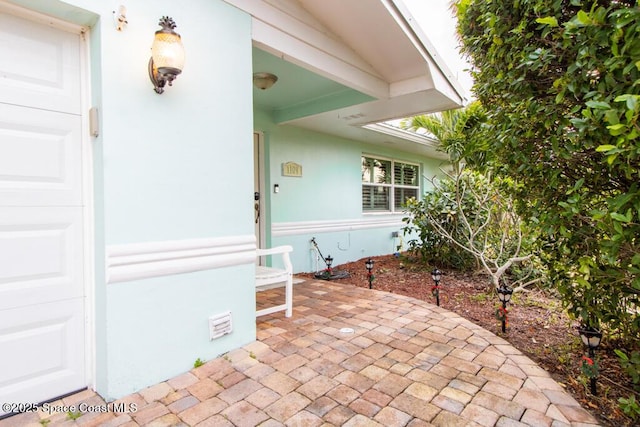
point(373, 47)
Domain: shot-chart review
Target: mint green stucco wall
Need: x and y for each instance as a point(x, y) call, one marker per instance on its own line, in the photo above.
point(161, 172)
point(329, 191)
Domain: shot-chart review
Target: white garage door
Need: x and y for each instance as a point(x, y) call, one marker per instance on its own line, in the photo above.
point(42, 301)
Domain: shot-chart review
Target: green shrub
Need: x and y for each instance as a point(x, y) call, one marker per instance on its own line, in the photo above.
point(631, 365)
point(441, 203)
point(630, 406)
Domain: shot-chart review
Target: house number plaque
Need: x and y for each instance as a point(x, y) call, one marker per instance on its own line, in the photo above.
point(291, 169)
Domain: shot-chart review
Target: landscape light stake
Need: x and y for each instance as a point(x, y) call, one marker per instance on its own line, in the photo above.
point(504, 293)
point(369, 266)
point(591, 337)
point(436, 275)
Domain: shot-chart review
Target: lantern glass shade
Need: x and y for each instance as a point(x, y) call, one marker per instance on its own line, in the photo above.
point(329, 260)
point(591, 337)
point(369, 264)
point(504, 293)
point(167, 53)
point(436, 275)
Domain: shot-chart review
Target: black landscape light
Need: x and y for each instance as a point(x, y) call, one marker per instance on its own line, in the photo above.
point(436, 275)
point(369, 266)
point(591, 337)
point(329, 261)
point(504, 294)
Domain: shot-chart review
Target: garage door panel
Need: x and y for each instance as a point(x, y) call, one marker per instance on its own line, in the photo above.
point(39, 65)
point(40, 251)
point(40, 157)
point(41, 354)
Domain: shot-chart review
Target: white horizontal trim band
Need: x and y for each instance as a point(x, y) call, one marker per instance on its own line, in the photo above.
point(154, 259)
point(310, 227)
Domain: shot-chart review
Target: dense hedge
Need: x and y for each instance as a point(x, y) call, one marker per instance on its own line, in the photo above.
point(560, 81)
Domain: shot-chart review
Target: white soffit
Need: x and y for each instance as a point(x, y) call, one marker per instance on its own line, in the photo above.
point(371, 31)
point(387, 36)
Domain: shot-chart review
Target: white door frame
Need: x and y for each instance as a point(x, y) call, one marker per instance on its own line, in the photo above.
point(259, 186)
point(88, 211)
point(88, 225)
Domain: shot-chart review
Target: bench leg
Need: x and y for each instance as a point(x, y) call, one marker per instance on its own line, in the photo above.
point(288, 294)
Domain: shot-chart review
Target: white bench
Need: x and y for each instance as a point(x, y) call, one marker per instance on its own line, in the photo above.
point(270, 277)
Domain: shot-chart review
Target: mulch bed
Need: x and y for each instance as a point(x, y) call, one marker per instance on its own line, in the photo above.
point(537, 326)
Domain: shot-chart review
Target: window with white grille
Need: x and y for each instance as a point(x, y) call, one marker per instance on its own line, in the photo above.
point(387, 184)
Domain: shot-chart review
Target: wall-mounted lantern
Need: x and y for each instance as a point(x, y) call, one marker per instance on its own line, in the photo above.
point(167, 55)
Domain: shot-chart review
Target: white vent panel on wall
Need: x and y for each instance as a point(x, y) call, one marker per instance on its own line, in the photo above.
point(219, 325)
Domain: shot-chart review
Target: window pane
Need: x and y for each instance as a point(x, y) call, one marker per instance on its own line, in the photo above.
point(375, 198)
point(376, 171)
point(404, 174)
point(401, 195)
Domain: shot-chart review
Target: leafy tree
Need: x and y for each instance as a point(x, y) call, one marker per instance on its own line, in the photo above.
point(560, 81)
point(467, 216)
point(472, 213)
point(454, 130)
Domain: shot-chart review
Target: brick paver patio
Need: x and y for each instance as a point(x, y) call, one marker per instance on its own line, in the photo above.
point(349, 357)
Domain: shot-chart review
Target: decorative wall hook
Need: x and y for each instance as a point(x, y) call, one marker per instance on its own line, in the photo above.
point(120, 18)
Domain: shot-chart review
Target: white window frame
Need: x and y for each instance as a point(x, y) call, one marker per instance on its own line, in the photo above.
point(392, 186)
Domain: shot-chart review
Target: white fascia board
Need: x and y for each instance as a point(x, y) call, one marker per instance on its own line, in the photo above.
point(409, 86)
point(443, 78)
point(290, 33)
point(447, 85)
point(411, 104)
point(433, 80)
point(397, 132)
